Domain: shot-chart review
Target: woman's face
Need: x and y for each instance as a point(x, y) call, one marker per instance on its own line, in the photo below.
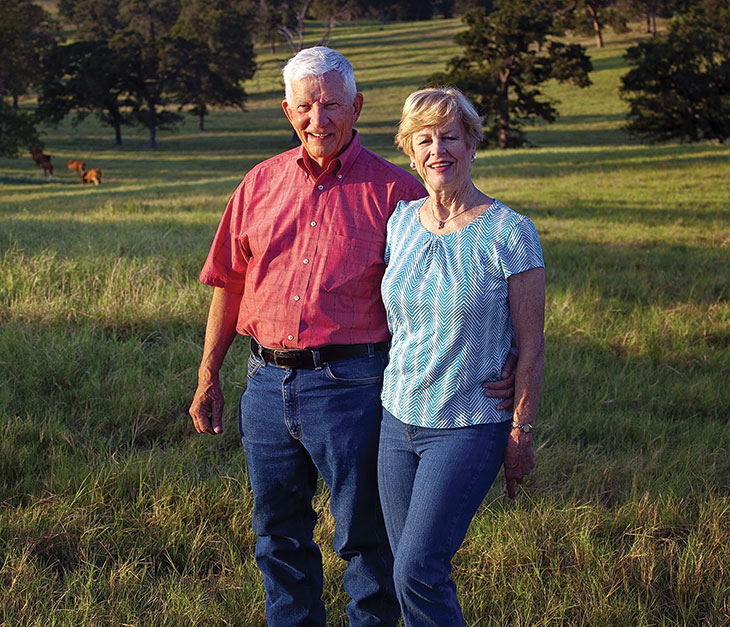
point(442, 155)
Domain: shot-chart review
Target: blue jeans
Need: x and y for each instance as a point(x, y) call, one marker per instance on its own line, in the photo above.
point(294, 424)
point(431, 483)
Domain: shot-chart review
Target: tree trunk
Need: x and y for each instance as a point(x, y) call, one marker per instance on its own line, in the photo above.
point(328, 31)
point(151, 121)
point(301, 16)
point(691, 127)
point(152, 125)
point(504, 112)
point(201, 122)
point(596, 24)
point(116, 119)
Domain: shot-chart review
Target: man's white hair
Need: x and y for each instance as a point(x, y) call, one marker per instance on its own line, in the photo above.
point(316, 62)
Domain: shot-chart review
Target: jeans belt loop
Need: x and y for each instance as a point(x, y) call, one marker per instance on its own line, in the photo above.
point(317, 361)
point(371, 349)
point(256, 349)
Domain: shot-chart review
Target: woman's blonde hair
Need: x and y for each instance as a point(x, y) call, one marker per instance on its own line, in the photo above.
point(434, 106)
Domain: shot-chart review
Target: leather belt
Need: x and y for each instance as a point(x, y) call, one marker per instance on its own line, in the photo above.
point(314, 358)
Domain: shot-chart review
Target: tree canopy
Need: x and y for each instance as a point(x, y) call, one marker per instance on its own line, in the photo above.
point(82, 78)
point(26, 31)
point(138, 57)
point(17, 131)
point(678, 86)
point(508, 53)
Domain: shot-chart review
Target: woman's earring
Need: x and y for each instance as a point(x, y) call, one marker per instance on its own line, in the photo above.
point(413, 165)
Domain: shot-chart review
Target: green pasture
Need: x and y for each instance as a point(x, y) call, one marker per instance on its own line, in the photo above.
point(113, 511)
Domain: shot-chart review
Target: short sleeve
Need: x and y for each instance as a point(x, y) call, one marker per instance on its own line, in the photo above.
point(227, 262)
point(522, 250)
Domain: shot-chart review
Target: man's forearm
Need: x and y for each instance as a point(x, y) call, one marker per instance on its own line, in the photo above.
point(220, 331)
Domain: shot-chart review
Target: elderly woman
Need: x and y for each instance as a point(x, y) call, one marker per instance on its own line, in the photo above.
point(465, 281)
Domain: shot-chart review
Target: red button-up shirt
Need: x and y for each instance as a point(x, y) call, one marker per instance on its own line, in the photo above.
point(307, 252)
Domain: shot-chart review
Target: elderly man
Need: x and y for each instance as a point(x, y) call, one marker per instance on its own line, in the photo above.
point(296, 264)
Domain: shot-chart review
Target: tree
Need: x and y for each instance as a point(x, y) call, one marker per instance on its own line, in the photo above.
point(215, 55)
point(508, 54)
point(332, 11)
point(92, 20)
point(591, 16)
point(462, 6)
point(648, 10)
point(152, 67)
point(293, 13)
point(184, 52)
point(26, 31)
point(84, 77)
point(678, 87)
point(17, 131)
point(269, 16)
point(137, 31)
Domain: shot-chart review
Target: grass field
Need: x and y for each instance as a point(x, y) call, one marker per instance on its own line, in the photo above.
point(114, 512)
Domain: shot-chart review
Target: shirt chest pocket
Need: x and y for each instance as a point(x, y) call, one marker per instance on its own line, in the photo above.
point(352, 264)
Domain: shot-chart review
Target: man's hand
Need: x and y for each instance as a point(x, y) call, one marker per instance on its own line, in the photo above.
point(505, 387)
point(519, 460)
point(207, 408)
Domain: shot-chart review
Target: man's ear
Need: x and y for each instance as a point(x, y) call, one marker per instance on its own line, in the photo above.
point(357, 106)
point(287, 110)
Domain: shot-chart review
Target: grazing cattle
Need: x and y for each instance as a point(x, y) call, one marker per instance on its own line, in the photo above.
point(43, 160)
point(91, 176)
point(76, 166)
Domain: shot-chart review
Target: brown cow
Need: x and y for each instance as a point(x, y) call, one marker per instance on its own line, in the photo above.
point(76, 166)
point(43, 160)
point(91, 176)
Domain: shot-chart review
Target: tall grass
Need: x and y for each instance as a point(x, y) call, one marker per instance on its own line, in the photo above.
point(113, 511)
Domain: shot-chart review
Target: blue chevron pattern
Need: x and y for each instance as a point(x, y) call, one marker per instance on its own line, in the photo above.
point(446, 300)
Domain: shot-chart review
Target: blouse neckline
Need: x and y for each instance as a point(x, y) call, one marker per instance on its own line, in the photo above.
point(489, 209)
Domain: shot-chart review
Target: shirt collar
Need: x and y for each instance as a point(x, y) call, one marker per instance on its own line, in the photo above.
point(341, 163)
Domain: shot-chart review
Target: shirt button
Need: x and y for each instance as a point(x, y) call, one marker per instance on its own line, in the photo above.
point(339, 176)
point(296, 298)
point(290, 337)
point(320, 187)
point(305, 261)
point(313, 223)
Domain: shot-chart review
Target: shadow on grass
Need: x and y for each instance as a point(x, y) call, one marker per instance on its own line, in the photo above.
point(615, 62)
point(590, 119)
point(545, 162)
point(653, 274)
point(33, 181)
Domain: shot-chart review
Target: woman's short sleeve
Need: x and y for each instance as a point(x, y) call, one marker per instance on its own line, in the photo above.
point(522, 250)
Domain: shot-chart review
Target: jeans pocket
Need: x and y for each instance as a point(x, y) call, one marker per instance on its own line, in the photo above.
point(363, 370)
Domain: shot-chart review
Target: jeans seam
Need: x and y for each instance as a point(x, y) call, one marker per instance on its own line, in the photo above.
point(455, 519)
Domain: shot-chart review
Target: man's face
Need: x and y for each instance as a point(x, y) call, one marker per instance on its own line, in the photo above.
point(321, 115)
